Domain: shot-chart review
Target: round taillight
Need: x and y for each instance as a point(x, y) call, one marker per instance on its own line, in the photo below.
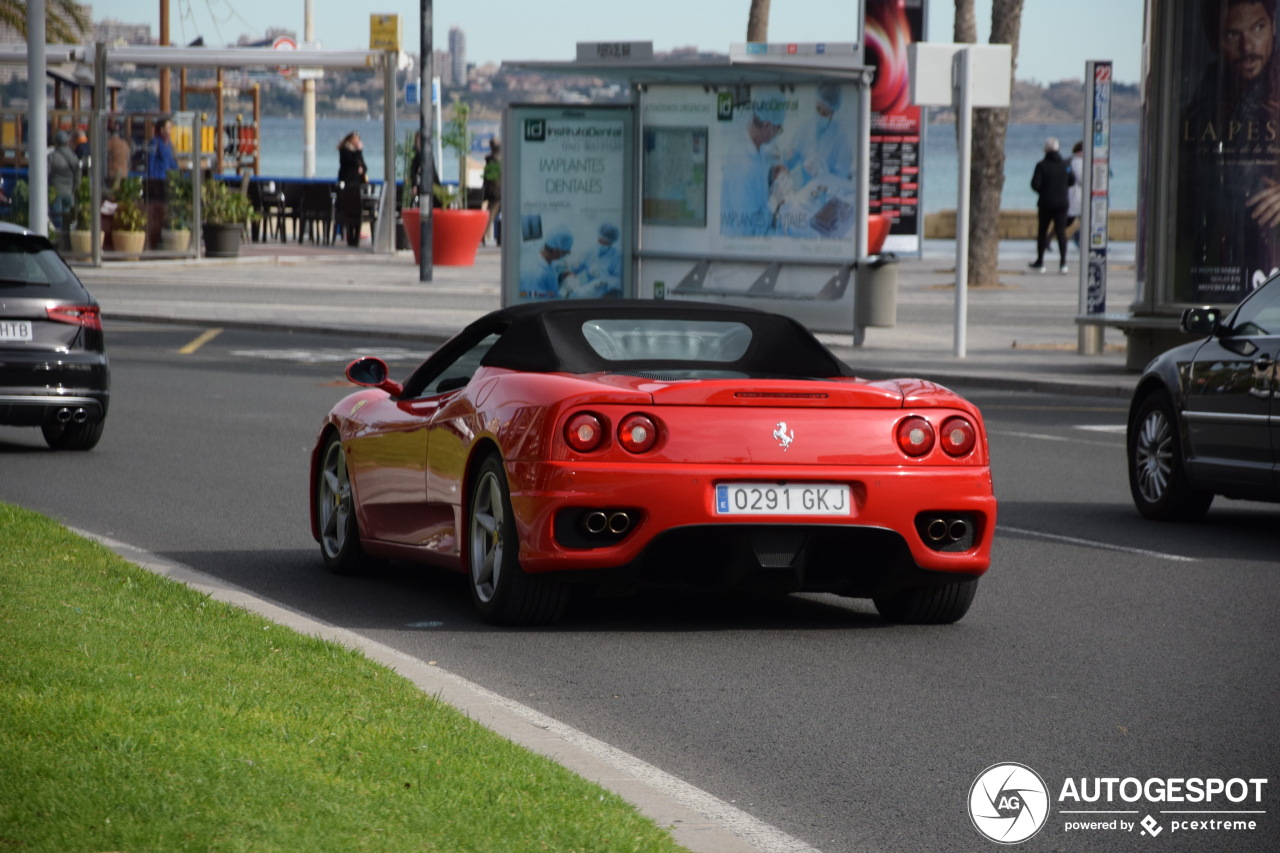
point(584, 432)
point(958, 436)
point(915, 436)
point(637, 433)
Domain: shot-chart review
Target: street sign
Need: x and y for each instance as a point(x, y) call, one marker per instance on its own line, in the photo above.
point(284, 43)
point(384, 32)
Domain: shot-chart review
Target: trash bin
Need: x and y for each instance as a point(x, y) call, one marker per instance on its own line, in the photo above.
point(877, 291)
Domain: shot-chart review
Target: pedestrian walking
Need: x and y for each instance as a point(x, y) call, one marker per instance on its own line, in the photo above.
point(1075, 193)
point(1051, 180)
point(352, 174)
point(491, 186)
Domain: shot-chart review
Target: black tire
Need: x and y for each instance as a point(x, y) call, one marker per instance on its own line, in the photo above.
point(335, 511)
point(503, 593)
point(73, 436)
point(1157, 472)
point(929, 605)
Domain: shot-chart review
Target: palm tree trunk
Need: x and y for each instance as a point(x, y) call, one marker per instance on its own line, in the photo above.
point(758, 21)
point(987, 166)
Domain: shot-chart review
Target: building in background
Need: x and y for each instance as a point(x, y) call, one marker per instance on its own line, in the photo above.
point(458, 56)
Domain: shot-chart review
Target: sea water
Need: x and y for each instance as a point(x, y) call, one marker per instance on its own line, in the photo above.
point(1024, 146)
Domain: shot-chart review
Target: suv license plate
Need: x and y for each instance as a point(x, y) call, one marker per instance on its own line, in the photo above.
point(15, 330)
point(782, 499)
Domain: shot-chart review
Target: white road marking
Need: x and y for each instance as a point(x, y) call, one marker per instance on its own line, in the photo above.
point(320, 356)
point(1040, 436)
point(1092, 543)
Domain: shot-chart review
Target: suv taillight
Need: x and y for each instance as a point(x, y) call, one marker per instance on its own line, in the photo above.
point(87, 316)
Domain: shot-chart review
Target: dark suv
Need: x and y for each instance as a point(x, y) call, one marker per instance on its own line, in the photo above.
point(53, 363)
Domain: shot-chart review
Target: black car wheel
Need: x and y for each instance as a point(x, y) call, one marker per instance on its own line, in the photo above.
point(929, 605)
point(1157, 475)
point(502, 591)
point(335, 511)
point(73, 436)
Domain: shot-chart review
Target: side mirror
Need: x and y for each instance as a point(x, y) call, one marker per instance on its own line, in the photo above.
point(372, 373)
point(1204, 320)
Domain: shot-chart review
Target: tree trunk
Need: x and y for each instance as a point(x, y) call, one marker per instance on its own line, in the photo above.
point(987, 167)
point(758, 21)
point(966, 23)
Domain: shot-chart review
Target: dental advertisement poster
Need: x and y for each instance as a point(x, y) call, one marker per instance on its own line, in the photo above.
point(569, 218)
point(776, 179)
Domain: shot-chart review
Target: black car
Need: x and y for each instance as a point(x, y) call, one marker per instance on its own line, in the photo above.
point(53, 363)
point(1205, 418)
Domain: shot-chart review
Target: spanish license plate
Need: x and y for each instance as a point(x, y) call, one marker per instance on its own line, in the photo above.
point(15, 330)
point(782, 499)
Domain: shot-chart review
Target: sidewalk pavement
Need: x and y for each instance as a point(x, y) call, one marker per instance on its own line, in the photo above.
point(1019, 336)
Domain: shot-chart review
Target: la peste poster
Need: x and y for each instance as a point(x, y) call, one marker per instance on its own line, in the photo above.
point(1228, 155)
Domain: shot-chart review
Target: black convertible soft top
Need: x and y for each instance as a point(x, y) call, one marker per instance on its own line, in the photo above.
point(548, 337)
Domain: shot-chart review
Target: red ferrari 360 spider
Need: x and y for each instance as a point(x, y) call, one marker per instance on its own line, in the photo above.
point(626, 443)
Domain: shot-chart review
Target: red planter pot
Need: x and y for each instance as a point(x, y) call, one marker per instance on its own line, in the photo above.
point(455, 235)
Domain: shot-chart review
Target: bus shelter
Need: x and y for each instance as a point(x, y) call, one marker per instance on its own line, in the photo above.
point(741, 179)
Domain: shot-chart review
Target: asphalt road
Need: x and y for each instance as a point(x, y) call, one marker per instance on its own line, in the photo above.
point(1100, 645)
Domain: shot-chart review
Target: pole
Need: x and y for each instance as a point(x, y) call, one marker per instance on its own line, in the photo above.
point(964, 145)
point(98, 161)
point(309, 98)
point(37, 121)
point(165, 101)
point(424, 126)
point(383, 238)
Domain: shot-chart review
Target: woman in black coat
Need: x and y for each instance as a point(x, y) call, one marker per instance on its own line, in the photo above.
point(352, 174)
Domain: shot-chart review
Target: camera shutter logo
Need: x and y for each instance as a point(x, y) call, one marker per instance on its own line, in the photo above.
point(1008, 803)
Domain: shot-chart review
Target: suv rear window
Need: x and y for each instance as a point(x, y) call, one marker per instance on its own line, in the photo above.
point(30, 266)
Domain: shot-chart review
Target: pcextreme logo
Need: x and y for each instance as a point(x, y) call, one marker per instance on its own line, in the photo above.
point(1010, 802)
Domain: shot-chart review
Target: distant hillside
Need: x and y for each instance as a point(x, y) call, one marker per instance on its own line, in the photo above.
point(1061, 103)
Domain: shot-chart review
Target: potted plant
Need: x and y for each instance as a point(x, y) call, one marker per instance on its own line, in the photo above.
point(226, 212)
point(176, 234)
point(129, 225)
point(455, 232)
point(82, 224)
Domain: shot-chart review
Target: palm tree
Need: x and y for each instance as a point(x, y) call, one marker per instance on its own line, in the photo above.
point(990, 125)
point(758, 21)
point(65, 21)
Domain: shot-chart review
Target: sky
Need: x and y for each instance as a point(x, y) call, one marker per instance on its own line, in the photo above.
point(1057, 38)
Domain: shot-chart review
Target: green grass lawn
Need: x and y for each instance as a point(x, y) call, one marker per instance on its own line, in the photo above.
point(139, 715)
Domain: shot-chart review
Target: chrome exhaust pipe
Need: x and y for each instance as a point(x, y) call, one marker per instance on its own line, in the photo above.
point(936, 530)
point(595, 522)
point(79, 416)
point(63, 416)
point(619, 522)
point(958, 529)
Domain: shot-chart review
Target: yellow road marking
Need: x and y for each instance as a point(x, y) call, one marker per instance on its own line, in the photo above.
point(200, 341)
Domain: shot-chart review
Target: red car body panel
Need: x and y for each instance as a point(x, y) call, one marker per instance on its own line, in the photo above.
point(409, 461)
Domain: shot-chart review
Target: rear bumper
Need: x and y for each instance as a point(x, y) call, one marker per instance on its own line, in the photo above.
point(672, 512)
point(42, 409)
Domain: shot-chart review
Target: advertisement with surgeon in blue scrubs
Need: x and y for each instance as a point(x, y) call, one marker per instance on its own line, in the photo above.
point(787, 165)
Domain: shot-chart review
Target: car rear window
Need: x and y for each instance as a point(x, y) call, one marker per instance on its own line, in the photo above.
point(29, 263)
point(666, 339)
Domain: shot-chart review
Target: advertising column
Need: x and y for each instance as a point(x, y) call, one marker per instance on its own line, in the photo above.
point(1228, 156)
point(567, 231)
point(896, 126)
